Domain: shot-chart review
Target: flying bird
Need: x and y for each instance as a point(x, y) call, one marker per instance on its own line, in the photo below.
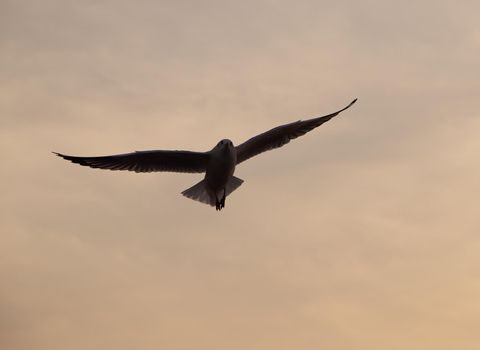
point(218, 164)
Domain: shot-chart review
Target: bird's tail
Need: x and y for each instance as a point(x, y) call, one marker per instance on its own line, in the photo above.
point(200, 192)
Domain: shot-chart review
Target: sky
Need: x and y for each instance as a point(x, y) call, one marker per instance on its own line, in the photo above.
point(363, 234)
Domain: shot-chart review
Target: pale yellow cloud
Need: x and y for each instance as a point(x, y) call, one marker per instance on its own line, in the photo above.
point(371, 246)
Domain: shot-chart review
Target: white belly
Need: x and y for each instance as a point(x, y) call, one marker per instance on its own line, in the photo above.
point(220, 169)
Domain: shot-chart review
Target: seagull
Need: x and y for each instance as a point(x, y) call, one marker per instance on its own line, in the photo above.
point(218, 164)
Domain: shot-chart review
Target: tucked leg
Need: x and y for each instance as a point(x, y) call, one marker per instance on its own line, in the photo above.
point(222, 201)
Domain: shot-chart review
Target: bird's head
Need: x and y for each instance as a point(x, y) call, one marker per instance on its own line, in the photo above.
point(224, 144)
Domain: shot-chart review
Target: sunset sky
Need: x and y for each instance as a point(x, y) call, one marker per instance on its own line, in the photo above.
point(362, 235)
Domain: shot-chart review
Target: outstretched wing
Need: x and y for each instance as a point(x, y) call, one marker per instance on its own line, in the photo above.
point(147, 161)
point(281, 135)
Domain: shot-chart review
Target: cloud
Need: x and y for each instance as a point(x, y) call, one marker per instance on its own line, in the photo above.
point(371, 246)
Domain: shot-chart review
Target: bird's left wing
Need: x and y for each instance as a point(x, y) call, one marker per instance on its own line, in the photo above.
point(281, 135)
point(147, 161)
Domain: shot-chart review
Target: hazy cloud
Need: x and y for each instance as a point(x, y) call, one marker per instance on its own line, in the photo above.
point(372, 246)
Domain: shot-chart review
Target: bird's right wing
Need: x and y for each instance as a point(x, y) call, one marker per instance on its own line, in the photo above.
point(147, 161)
point(281, 135)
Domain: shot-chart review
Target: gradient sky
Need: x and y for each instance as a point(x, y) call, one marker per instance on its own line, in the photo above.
point(363, 234)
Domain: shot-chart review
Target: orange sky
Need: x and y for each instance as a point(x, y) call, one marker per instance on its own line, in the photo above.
point(363, 234)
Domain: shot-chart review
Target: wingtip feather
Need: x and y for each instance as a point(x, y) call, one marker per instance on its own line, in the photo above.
point(63, 156)
point(349, 105)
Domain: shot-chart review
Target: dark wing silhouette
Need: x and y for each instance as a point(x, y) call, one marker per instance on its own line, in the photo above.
point(281, 135)
point(147, 161)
